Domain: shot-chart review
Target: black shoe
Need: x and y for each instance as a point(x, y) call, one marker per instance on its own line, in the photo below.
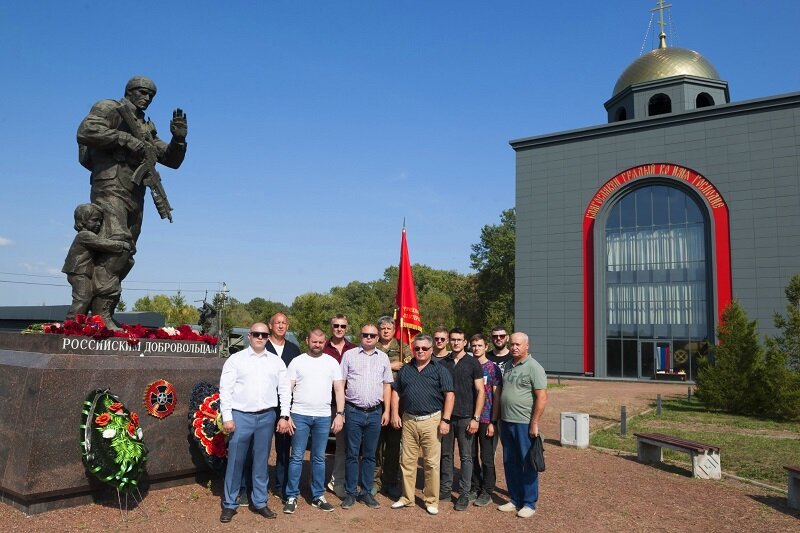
point(264, 511)
point(484, 499)
point(322, 504)
point(226, 515)
point(289, 505)
point(473, 495)
point(348, 502)
point(462, 502)
point(445, 496)
point(369, 500)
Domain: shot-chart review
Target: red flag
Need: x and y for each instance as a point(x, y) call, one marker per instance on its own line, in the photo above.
point(407, 318)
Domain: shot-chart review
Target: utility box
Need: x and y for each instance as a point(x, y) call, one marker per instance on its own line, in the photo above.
point(575, 430)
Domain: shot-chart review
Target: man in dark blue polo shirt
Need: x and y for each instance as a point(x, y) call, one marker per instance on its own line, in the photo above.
point(468, 384)
point(423, 392)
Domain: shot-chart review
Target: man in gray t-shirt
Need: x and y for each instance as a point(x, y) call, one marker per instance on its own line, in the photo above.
point(522, 404)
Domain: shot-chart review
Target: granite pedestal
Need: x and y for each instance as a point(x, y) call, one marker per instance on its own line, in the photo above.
point(44, 380)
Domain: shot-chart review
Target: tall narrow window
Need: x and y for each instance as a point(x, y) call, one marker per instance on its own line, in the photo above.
point(657, 289)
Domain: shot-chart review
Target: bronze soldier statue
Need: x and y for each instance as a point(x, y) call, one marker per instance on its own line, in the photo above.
point(121, 146)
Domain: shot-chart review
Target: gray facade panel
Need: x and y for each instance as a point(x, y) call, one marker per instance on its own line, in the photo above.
point(752, 157)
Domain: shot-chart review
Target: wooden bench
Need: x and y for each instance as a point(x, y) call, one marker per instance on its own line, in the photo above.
point(794, 486)
point(705, 458)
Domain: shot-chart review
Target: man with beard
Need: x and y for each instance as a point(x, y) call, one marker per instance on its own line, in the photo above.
point(312, 375)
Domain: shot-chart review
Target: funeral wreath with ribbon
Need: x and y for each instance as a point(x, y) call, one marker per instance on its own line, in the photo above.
point(111, 440)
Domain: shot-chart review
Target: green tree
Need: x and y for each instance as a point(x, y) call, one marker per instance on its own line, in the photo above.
point(494, 260)
point(729, 382)
point(782, 361)
point(121, 305)
point(788, 340)
point(262, 310)
point(174, 309)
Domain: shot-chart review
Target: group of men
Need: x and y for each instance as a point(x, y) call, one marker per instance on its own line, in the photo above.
point(385, 405)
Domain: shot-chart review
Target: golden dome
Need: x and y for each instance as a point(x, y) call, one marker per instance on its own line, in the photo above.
point(664, 63)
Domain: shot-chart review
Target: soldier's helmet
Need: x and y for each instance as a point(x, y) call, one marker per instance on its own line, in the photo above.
point(137, 82)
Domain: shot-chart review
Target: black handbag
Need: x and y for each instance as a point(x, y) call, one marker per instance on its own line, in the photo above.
point(536, 453)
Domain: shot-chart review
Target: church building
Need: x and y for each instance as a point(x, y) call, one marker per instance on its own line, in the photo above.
point(633, 236)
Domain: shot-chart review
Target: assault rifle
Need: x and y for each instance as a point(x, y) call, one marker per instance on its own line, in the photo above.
point(146, 172)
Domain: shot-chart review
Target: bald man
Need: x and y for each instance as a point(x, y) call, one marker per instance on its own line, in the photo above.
point(522, 404)
point(252, 380)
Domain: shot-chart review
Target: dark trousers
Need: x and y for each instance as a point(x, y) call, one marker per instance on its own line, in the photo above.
point(484, 475)
point(458, 433)
point(387, 458)
point(283, 454)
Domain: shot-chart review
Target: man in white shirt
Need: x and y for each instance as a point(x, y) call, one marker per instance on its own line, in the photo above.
point(312, 375)
point(252, 380)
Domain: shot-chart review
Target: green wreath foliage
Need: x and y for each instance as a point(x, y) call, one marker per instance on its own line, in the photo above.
point(111, 440)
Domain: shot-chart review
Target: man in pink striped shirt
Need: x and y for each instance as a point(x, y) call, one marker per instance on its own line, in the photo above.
point(368, 377)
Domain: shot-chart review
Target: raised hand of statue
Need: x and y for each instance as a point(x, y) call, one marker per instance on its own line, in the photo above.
point(178, 126)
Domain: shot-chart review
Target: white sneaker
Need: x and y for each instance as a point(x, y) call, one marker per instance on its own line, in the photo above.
point(399, 504)
point(508, 507)
point(432, 510)
point(526, 512)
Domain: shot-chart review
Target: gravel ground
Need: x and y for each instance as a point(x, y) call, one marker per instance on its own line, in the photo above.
point(581, 489)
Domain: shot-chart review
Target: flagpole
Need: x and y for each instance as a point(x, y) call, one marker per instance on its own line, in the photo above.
point(402, 357)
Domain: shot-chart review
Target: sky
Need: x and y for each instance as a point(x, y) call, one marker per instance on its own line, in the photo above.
point(316, 128)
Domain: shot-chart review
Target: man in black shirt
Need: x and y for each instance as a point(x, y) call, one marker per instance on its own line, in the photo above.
point(468, 385)
point(423, 391)
point(287, 351)
point(500, 354)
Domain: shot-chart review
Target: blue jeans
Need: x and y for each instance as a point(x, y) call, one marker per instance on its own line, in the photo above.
point(256, 430)
point(362, 432)
point(522, 479)
point(318, 428)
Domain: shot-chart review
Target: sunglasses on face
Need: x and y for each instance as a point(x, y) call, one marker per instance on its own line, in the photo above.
point(440, 339)
point(421, 348)
point(503, 336)
point(368, 335)
point(259, 334)
point(339, 326)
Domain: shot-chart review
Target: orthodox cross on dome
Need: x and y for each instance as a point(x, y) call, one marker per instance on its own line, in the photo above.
point(662, 37)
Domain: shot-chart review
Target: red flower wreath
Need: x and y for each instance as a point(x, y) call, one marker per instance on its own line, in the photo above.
point(206, 427)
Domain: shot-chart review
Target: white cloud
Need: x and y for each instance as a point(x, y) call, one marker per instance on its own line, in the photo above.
point(5, 242)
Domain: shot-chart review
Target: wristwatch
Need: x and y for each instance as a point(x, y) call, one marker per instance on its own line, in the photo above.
point(477, 419)
point(446, 421)
point(340, 413)
point(285, 417)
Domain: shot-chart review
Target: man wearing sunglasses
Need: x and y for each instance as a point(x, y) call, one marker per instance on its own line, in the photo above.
point(387, 458)
point(425, 389)
point(500, 354)
point(251, 383)
point(440, 336)
point(368, 377)
point(335, 346)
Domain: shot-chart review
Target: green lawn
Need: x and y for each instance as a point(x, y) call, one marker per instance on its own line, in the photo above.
point(749, 447)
